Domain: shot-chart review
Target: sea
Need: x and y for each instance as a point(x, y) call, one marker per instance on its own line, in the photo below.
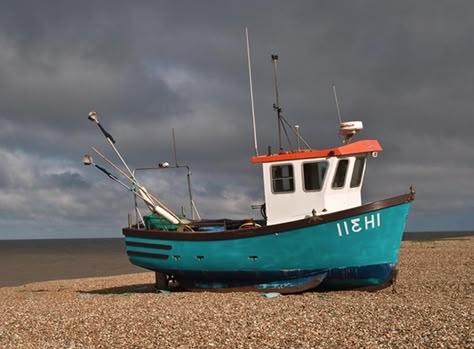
point(26, 261)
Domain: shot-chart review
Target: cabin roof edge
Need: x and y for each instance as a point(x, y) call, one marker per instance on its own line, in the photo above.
point(363, 146)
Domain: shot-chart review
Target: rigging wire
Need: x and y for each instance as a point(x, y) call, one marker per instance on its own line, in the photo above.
point(297, 134)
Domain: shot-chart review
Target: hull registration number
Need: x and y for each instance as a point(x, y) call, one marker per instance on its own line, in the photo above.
point(356, 225)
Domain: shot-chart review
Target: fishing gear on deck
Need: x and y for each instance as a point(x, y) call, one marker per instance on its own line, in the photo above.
point(88, 160)
point(151, 201)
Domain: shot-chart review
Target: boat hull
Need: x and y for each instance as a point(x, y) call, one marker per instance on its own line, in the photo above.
point(355, 248)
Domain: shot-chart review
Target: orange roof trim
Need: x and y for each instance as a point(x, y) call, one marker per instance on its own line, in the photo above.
point(366, 146)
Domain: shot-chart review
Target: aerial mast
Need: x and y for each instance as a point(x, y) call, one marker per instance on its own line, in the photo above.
point(251, 93)
point(276, 106)
point(337, 103)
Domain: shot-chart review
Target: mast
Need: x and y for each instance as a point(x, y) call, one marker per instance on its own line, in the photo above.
point(251, 93)
point(276, 106)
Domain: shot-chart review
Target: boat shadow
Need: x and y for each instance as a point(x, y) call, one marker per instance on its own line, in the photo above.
point(121, 290)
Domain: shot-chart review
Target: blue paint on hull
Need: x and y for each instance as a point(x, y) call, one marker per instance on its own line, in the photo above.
point(357, 251)
point(259, 281)
point(331, 279)
point(359, 277)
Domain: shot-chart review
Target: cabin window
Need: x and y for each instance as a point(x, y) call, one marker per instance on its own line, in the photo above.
point(357, 173)
point(340, 176)
point(314, 174)
point(282, 179)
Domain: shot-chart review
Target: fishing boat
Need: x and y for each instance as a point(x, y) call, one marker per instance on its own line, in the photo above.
point(315, 232)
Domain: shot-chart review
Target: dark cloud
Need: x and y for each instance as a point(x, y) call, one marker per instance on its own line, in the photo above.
point(404, 68)
point(68, 180)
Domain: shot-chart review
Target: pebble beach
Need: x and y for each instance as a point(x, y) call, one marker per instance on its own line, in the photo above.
point(430, 306)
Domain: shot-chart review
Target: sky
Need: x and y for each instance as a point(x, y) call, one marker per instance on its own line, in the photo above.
point(404, 68)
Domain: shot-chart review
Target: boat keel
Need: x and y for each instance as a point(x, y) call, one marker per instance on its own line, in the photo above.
point(366, 278)
point(285, 286)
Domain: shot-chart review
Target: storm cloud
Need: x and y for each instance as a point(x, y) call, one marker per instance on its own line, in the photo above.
point(404, 68)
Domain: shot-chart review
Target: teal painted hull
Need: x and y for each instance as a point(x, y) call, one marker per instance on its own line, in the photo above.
point(357, 250)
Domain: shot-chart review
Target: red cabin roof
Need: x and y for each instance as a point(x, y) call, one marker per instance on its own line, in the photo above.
point(358, 147)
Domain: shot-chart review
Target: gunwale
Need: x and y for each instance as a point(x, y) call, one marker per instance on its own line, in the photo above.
point(272, 229)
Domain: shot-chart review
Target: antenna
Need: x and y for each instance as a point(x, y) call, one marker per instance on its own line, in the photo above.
point(277, 105)
point(251, 92)
point(174, 148)
point(337, 103)
point(297, 130)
